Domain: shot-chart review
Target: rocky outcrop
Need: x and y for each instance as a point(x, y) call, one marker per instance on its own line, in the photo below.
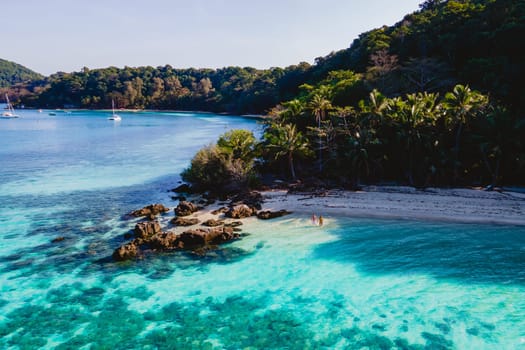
point(180, 221)
point(221, 210)
point(147, 229)
point(183, 188)
point(199, 240)
point(240, 211)
point(233, 224)
point(213, 223)
point(252, 199)
point(126, 251)
point(267, 214)
point(150, 211)
point(163, 241)
point(185, 208)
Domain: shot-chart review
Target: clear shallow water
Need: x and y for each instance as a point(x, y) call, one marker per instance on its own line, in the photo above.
point(355, 283)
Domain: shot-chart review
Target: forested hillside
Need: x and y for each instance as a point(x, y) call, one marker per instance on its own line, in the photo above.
point(475, 42)
point(12, 73)
point(230, 89)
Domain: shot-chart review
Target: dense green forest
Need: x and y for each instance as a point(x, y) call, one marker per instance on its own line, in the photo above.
point(436, 99)
point(13, 73)
point(230, 89)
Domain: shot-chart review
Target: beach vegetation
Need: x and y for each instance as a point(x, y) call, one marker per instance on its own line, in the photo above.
point(283, 141)
point(226, 166)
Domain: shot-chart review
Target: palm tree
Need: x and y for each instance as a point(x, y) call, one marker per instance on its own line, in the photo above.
point(286, 141)
point(376, 106)
point(498, 135)
point(416, 112)
point(461, 105)
point(293, 112)
point(293, 109)
point(319, 105)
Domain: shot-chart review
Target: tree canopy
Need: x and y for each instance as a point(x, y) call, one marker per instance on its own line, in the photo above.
point(13, 73)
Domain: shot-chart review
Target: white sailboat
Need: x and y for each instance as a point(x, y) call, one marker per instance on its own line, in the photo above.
point(114, 116)
point(10, 113)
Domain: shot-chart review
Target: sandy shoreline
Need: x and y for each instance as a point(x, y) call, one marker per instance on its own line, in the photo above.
point(432, 204)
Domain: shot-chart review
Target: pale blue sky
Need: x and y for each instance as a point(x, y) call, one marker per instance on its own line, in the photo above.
point(66, 35)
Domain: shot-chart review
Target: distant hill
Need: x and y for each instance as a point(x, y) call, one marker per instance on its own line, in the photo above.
point(12, 73)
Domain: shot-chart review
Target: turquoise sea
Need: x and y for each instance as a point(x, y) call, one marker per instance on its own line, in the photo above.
point(352, 284)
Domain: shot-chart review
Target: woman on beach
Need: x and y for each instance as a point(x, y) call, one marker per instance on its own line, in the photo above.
point(317, 221)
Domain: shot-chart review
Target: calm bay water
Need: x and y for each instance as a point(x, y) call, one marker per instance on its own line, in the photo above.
point(355, 283)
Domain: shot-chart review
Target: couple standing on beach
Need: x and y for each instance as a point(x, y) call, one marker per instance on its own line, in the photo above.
point(317, 221)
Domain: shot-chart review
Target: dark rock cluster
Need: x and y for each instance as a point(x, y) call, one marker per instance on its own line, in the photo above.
point(150, 211)
point(148, 235)
point(267, 214)
point(186, 208)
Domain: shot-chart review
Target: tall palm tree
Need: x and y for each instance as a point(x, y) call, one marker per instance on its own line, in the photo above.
point(287, 142)
point(461, 105)
point(378, 102)
point(319, 105)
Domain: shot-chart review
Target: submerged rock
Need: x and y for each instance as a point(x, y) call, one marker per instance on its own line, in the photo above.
point(150, 211)
point(267, 214)
point(185, 208)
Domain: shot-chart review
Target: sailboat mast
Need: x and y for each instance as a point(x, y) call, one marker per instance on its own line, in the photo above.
point(9, 107)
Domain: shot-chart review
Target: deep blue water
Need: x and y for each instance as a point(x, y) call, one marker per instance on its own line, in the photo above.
point(355, 284)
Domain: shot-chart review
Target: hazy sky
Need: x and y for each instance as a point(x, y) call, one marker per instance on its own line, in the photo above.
point(66, 35)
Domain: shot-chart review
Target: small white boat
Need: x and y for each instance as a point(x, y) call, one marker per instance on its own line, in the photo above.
point(10, 113)
point(114, 116)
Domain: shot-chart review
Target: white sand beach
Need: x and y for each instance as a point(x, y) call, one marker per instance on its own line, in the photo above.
point(460, 205)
